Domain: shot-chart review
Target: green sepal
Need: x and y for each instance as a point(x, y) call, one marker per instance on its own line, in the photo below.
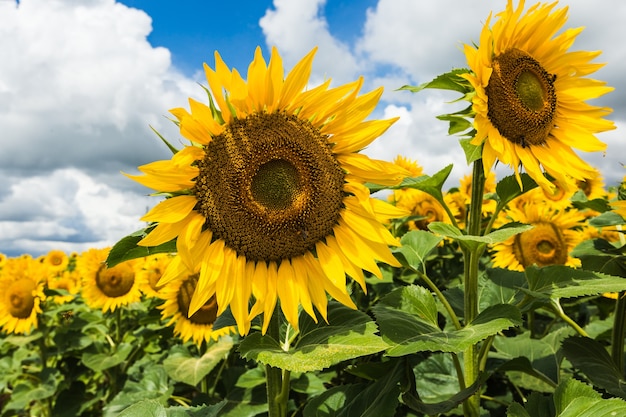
point(165, 141)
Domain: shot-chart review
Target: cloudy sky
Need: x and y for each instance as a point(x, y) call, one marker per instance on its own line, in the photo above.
point(82, 81)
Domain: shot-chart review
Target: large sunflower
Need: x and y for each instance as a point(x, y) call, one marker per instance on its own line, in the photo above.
point(530, 95)
point(554, 234)
point(268, 197)
point(107, 288)
point(21, 292)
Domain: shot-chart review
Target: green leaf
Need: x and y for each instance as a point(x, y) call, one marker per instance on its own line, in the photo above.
point(595, 362)
point(558, 281)
point(101, 361)
point(473, 242)
point(183, 367)
point(508, 188)
point(448, 81)
point(213, 410)
point(430, 185)
point(608, 218)
point(537, 405)
point(601, 256)
point(472, 152)
point(127, 249)
point(349, 334)
point(416, 246)
point(409, 328)
point(581, 202)
point(377, 399)
point(573, 398)
point(153, 385)
point(148, 408)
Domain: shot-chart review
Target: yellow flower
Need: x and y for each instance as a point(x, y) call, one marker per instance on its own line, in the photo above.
point(198, 326)
point(151, 272)
point(269, 197)
point(554, 234)
point(107, 288)
point(465, 187)
point(21, 292)
point(65, 280)
point(56, 260)
point(530, 95)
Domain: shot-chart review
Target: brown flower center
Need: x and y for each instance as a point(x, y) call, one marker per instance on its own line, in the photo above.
point(117, 281)
point(270, 186)
point(543, 245)
point(521, 98)
point(20, 298)
point(207, 314)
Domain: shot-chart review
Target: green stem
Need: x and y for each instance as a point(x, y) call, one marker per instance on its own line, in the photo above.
point(618, 333)
point(559, 311)
point(118, 325)
point(277, 395)
point(471, 406)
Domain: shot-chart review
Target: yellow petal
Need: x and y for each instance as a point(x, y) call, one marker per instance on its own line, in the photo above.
point(171, 210)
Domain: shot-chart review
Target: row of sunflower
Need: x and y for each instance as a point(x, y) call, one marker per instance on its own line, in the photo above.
point(270, 257)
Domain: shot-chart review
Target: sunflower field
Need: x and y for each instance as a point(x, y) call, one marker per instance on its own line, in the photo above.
point(282, 272)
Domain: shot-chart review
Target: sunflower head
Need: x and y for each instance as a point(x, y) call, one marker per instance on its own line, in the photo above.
point(554, 234)
point(21, 286)
point(268, 199)
point(107, 288)
point(530, 94)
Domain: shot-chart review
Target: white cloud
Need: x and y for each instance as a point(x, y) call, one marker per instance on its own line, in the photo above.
point(66, 209)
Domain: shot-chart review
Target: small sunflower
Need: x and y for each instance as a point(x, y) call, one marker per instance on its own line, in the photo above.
point(64, 280)
point(268, 197)
point(107, 288)
point(465, 187)
point(198, 326)
point(530, 95)
point(21, 292)
point(554, 234)
point(56, 260)
point(151, 271)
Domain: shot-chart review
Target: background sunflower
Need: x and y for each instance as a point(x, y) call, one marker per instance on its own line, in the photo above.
point(530, 94)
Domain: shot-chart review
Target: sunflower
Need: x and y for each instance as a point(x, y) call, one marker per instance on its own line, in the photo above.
point(64, 280)
point(530, 95)
point(107, 288)
point(554, 234)
point(269, 197)
point(56, 260)
point(21, 288)
point(198, 326)
point(150, 273)
point(465, 187)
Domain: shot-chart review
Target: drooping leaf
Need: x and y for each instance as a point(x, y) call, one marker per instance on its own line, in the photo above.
point(581, 202)
point(472, 152)
point(375, 399)
point(126, 248)
point(608, 218)
point(429, 184)
point(183, 367)
point(348, 334)
point(595, 362)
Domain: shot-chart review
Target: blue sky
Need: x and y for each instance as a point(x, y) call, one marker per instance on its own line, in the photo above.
point(82, 82)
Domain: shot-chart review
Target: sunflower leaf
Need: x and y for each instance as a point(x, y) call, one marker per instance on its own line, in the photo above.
point(508, 188)
point(573, 398)
point(471, 241)
point(183, 367)
point(601, 256)
point(416, 246)
point(126, 248)
point(349, 334)
point(406, 323)
point(595, 362)
point(448, 81)
point(472, 152)
point(559, 281)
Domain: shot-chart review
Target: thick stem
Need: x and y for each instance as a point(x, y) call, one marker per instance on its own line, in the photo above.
point(471, 406)
point(277, 396)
